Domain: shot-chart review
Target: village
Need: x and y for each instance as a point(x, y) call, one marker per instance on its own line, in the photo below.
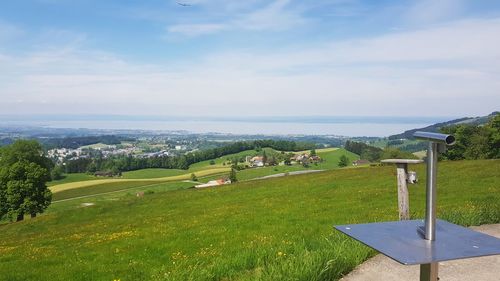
point(260, 161)
point(139, 150)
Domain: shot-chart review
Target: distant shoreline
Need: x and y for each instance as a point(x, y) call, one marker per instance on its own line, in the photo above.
point(355, 128)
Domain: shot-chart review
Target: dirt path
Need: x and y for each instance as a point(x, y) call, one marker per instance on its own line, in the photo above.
point(477, 269)
point(285, 174)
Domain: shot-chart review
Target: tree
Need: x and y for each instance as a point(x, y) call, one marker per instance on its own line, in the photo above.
point(313, 152)
point(272, 161)
point(474, 141)
point(344, 161)
point(264, 157)
point(232, 175)
point(56, 173)
point(193, 177)
point(394, 153)
point(24, 172)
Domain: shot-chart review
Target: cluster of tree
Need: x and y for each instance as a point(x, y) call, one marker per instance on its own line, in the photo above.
point(364, 150)
point(76, 142)
point(394, 142)
point(474, 141)
point(284, 145)
point(413, 147)
point(438, 126)
point(24, 172)
point(375, 154)
point(118, 164)
point(343, 161)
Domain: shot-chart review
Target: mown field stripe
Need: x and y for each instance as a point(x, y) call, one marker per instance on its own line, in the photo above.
point(89, 183)
point(104, 193)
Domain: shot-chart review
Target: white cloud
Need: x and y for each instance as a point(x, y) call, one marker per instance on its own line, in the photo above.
point(430, 11)
point(274, 16)
point(9, 31)
point(196, 29)
point(456, 65)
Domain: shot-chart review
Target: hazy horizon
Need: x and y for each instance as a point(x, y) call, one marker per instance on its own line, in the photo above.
point(374, 126)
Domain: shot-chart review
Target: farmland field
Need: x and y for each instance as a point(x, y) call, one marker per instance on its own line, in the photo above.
point(152, 173)
point(226, 158)
point(89, 185)
point(138, 182)
point(72, 178)
point(274, 229)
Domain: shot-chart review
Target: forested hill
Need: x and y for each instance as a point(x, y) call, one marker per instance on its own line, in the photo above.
point(435, 127)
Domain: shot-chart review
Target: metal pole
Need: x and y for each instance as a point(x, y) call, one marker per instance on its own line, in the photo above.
point(429, 272)
point(430, 211)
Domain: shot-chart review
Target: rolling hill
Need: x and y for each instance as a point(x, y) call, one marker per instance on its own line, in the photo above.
point(77, 185)
point(435, 127)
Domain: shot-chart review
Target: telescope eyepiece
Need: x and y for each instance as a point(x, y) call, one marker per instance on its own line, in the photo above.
point(435, 137)
point(450, 140)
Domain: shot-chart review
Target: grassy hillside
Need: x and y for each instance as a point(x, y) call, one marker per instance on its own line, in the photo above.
point(276, 229)
point(163, 173)
point(72, 178)
point(152, 173)
point(219, 161)
point(75, 185)
point(138, 182)
point(331, 158)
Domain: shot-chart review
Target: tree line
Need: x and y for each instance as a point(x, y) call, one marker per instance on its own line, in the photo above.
point(375, 154)
point(118, 164)
point(474, 141)
point(76, 142)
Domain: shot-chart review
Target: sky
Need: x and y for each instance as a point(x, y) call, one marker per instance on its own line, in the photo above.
point(250, 58)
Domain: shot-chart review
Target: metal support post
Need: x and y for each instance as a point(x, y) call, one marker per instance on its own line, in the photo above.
point(430, 200)
point(429, 272)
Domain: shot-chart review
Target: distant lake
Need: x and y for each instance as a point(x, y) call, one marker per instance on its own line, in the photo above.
point(344, 126)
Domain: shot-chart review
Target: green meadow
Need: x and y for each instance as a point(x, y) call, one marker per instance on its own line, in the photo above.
point(76, 177)
point(77, 185)
point(273, 229)
point(152, 173)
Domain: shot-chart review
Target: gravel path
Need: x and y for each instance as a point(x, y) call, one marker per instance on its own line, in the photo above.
point(289, 173)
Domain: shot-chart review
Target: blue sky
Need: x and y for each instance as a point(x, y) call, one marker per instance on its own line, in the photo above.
point(222, 58)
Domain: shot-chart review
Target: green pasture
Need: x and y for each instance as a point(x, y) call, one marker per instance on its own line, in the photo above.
point(113, 195)
point(100, 188)
point(76, 177)
point(152, 173)
point(330, 156)
point(227, 158)
point(203, 170)
point(274, 229)
point(117, 182)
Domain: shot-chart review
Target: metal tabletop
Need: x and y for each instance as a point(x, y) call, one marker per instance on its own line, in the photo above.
point(402, 161)
point(403, 242)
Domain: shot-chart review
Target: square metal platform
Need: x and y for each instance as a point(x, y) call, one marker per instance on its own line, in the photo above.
point(402, 241)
